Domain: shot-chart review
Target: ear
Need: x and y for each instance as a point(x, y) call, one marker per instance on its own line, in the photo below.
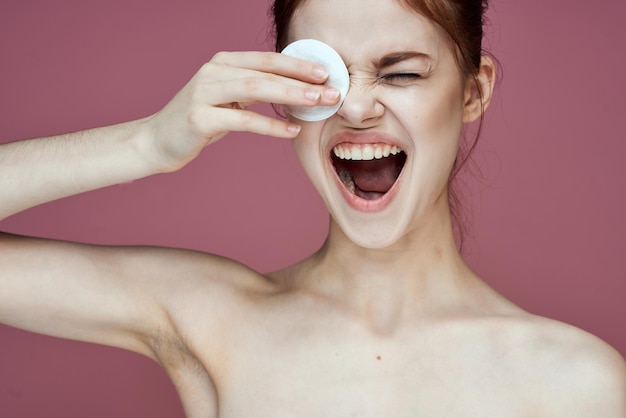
point(479, 90)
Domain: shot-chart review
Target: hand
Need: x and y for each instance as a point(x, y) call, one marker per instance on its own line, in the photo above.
point(217, 98)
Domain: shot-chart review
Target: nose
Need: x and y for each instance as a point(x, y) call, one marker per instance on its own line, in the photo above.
point(361, 107)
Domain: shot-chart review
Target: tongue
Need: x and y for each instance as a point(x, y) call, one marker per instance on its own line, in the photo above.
point(375, 175)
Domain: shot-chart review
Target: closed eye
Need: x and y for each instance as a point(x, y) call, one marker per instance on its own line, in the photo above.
point(400, 78)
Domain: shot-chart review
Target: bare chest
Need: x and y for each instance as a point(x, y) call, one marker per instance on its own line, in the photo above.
point(331, 376)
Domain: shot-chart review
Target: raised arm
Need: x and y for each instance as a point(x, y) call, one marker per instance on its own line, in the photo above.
point(111, 295)
point(213, 103)
point(40, 170)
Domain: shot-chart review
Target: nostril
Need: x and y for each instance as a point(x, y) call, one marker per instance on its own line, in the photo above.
point(361, 105)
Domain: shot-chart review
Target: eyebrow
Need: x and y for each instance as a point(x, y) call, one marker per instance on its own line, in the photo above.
point(396, 57)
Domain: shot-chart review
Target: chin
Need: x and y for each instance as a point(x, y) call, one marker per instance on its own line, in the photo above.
point(374, 237)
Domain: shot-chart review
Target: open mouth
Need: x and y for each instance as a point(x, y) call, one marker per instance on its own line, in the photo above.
point(368, 171)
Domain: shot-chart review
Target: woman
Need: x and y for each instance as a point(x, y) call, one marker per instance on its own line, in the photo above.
point(386, 319)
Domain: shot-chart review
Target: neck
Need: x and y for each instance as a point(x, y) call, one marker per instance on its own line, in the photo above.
point(422, 274)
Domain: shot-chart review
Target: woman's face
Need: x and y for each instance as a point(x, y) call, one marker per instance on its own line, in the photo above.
point(407, 94)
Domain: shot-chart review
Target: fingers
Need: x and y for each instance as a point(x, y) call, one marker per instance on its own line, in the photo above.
point(274, 63)
point(216, 99)
point(232, 81)
point(214, 102)
point(251, 90)
point(267, 77)
point(214, 122)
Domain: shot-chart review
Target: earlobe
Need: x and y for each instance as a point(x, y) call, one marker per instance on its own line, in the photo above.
point(479, 90)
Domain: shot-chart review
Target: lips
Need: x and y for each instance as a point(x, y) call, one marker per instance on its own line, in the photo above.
point(368, 167)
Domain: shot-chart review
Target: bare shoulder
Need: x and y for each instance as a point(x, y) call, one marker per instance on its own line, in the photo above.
point(198, 296)
point(570, 369)
point(190, 266)
point(185, 280)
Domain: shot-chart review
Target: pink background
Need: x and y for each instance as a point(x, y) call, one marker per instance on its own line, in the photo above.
point(548, 214)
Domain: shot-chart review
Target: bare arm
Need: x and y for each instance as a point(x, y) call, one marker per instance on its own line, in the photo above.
point(111, 295)
point(77, 291)
point(117, 296)
point(212, 104)
point(41, 170)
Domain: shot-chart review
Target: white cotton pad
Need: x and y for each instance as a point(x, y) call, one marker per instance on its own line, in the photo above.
point(319, 53)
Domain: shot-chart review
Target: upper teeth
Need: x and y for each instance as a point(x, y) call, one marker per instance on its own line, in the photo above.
point(364, 152)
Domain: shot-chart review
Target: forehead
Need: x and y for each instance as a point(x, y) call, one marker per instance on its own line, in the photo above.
point(364, 27)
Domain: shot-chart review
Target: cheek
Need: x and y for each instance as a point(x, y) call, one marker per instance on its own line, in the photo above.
point(441, 129)
point(428, 115)
point(433, 119)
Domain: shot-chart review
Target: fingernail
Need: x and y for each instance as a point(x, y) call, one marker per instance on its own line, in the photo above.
point(294, 129)
point(312, 95)
point(320, 73)
point(331, 94)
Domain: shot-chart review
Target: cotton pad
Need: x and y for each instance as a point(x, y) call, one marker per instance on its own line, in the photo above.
point(319, 53)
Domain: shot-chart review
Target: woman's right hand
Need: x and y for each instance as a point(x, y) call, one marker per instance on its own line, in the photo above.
point(217, 98)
